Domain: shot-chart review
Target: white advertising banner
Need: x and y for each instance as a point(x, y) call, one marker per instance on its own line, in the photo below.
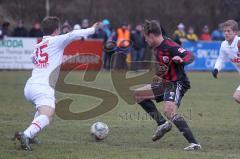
point(15, 53)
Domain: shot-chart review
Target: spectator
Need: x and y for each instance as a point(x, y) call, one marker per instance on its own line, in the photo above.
point(106, 27)
point(217, 34)
point(5, 29)
point(76, 27)
point(36, 30)
point(107, 55)
point(66, 28)
point(179, 35)
point(100, 34)
point(123, 33)
point(20, 30)
point(120, 59)
point(85, 23)
point(139, 45)
point(191, 36)
point(205, 36)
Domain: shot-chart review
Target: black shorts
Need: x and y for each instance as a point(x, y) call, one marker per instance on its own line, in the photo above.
point(172, 91)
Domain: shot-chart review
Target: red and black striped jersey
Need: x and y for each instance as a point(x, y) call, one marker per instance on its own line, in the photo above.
point(175, 71)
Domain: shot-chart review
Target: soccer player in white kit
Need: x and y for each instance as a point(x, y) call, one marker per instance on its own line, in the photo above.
point(229, 51)
point(47, 57)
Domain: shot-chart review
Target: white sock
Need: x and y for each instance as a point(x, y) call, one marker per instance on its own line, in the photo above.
point(37, 125)
point(36, 115)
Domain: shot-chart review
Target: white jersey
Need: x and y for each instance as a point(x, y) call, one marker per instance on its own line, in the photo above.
point(49, 52)
point(229, 53)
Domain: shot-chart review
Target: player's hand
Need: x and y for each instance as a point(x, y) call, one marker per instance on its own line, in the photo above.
point(177, 59)
point(96, 25)
point(156, 79)
point(214, 73)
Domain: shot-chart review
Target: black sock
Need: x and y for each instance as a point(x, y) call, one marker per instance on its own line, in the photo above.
point(182, 126)
point(151, 109)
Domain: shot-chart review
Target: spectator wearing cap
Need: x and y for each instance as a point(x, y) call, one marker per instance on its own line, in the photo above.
point(179, 34)
point(111, 36)
point(191, 36)
point(76, 27)
point(205, 36)
point(106, 27)
point(36, 30)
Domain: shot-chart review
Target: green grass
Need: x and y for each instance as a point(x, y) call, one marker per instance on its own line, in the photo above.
point(212, 114)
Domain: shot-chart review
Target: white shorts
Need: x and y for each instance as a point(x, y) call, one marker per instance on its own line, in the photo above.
point(238, 89)
point(40, 95)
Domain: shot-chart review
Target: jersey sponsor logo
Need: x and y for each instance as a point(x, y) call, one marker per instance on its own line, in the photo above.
point(182, 50)
point(165, 59)
point(40, 58)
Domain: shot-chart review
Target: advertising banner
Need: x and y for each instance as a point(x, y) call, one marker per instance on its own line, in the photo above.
point(15, 53)
point(206, 54)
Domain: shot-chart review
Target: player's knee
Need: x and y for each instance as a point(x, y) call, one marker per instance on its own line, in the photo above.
point(168, 113)
point(236, 97)
point(48, 111)
point(169, 110)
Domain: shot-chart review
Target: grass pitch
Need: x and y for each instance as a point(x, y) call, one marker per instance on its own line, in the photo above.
point(212, 114)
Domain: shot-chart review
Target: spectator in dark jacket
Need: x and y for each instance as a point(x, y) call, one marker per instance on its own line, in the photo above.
point(20, 30)
point(36, 30)
point(138, 48)
point(5, 29)
point(100, 34)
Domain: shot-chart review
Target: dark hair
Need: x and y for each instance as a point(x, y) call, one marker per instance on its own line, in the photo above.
point(230, 23)
point(152, 26)
point(50, 24)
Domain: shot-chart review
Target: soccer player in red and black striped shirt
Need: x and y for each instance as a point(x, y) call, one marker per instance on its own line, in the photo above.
point(169, 86)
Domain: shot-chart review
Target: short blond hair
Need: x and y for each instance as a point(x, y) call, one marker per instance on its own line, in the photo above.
point(230, 23)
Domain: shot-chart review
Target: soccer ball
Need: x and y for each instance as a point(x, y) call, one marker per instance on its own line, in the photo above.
point(99, 130)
